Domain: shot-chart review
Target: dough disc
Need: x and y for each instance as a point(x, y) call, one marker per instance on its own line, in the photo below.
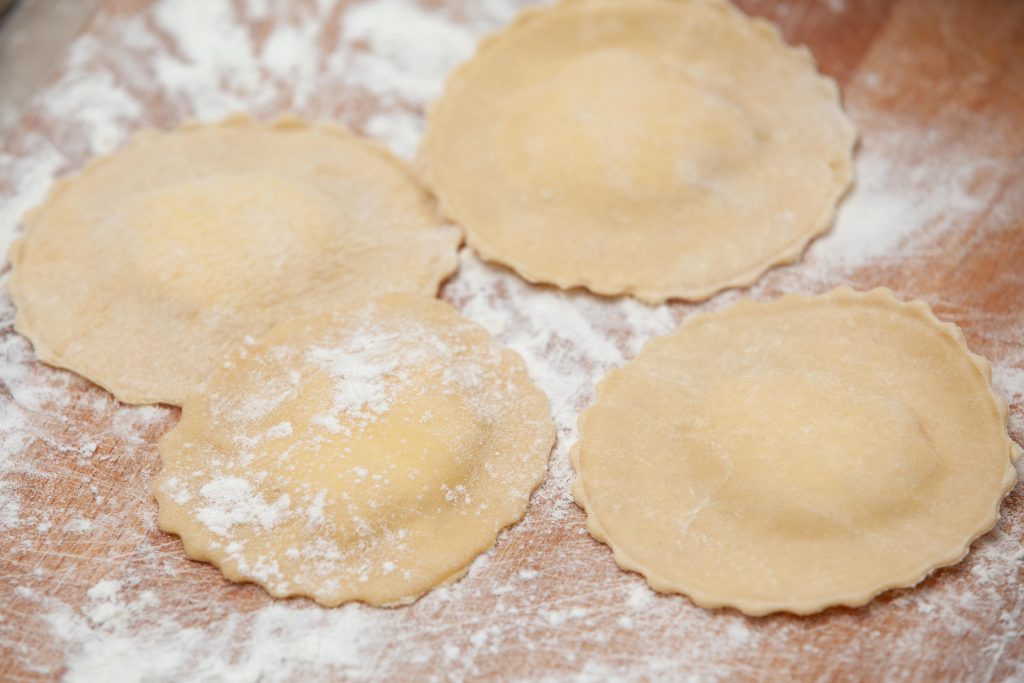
point(795, 455)
point(368, 455)
point(140, 270)
point(661, 148)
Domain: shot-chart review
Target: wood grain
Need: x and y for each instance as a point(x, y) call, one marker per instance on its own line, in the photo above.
point(931, 84)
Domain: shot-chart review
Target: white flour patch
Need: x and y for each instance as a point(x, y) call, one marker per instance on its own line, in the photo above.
point(31, 168)
point(363, 388)
point(401, 54)
point(409, 50)
point(10, 506)
point(229, 501)
point(213, 70)
point(890, 203)
point(117, 639)
point(102, 106)
point(399, 129)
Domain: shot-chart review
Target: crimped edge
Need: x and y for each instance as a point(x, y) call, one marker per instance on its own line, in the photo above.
point(852, 599)
point(136, 395)
point(197, 550)
point(425, 167)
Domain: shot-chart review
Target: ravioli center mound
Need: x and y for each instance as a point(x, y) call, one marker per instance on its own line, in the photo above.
point(626, 126)
point(377, 424)
point(813, 451)
point(227, 234)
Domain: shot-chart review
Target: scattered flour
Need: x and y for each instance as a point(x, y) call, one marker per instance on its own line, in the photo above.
point(408, 50)
point(362, 374)
point(891, 204)
point(278, 643)
point(387, 59)
point(231, 500)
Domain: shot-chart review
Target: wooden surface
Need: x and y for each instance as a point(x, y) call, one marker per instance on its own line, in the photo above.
point(936, 88)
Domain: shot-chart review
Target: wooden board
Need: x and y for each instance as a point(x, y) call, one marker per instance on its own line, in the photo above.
point(89, 589)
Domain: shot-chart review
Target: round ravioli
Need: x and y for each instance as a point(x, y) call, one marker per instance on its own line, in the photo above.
point(368, 455)
point(660, 148)
point(138, 272)
point(794, 455)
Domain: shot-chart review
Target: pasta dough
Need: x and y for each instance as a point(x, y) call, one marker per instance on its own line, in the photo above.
point(797, 454)
point(661, 148)
point(140, 270)
point(368, 455)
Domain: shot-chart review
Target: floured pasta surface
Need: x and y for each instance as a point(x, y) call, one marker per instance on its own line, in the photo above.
point(660, 148)
point(137, 272)
point(794, 455)
point(368, 455)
